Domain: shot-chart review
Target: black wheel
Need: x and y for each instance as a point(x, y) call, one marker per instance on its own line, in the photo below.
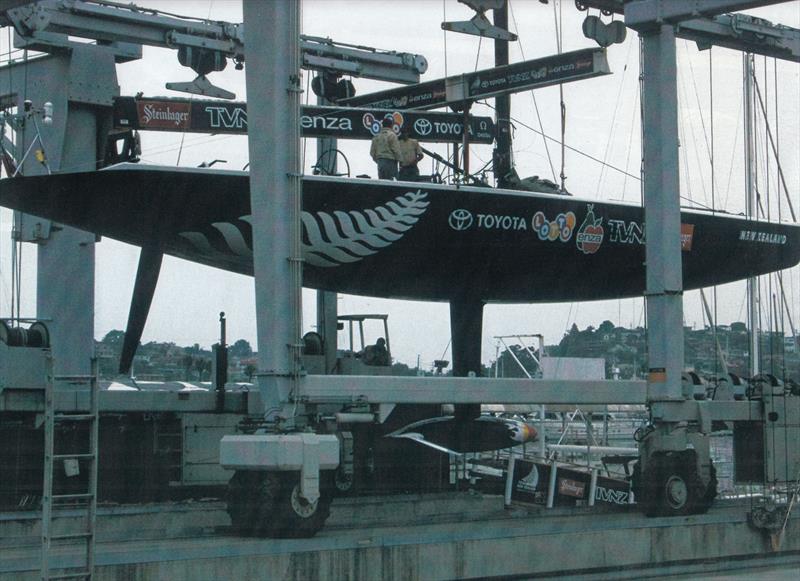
point(671, 486)
point(636, 483)
point(240, 498)
point(710, 493)
point(267, 505)
point(344, 483)
point(303, 519)
point(280, 510)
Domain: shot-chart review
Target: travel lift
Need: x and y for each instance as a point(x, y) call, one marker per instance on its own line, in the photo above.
point(681, 425)
point(78, 82)
point(674, 474)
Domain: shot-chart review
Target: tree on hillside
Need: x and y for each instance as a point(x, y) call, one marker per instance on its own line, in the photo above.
point(507, 365)
point(606, 327)
point(240, 348)
point(115, 337)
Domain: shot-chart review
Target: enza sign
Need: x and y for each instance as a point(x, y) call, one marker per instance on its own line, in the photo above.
point(199, 116)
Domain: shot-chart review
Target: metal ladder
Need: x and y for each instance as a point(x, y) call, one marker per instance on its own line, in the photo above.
point(55, 503)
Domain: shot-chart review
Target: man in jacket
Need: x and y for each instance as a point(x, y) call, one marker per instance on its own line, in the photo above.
point(410, 154)
point(385, 150)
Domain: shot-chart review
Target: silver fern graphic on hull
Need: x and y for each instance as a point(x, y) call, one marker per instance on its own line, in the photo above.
point(333, 238)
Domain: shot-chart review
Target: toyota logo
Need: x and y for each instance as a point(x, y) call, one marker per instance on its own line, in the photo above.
point(423, 126)
point(460, 219)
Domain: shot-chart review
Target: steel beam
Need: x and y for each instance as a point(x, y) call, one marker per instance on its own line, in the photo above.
point(463, 390)
point(50, 22)
point(662, 215)
point(273, 95)
point(327, 302)
point(390, 390)
point(650, 14)
point(659, 10)
point(740, 32)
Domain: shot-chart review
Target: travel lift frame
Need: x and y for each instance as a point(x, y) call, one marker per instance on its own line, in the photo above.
point(675, 470)
point(282, 386)
point(80, 80)
point(82, 111)
point(675, 464)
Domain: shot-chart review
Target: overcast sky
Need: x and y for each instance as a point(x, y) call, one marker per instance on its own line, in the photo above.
point(602, 122)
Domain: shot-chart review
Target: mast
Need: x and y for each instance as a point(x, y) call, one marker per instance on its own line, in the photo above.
point(502, 105)
point(752, 205)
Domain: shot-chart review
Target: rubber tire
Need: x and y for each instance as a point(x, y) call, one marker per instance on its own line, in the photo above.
point(275, 515)
point(240, 498)
point(636, 483)
point(666, 473)
point(267, 502)
point(344, 485)
point(710, 493)
point(304, 526)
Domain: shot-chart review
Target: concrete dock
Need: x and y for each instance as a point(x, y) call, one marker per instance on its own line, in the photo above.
point(408, 538)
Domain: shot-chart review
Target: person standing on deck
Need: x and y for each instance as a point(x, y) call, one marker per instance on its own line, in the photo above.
point(410, 154)
point(385, 150)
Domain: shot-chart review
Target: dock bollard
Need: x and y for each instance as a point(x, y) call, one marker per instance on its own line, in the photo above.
point(509, 479)
point(551, 489)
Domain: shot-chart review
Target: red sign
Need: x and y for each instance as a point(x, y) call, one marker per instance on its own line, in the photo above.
point(164, 115)
point(687, 234)
point(569, 487)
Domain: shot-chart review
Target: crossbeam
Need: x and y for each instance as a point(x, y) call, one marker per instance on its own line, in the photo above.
point(465, 390)
point(675, 10)
point(504, 80)
point(649, 13)
point(46, 25)
point(704, 23)
point(744, 33)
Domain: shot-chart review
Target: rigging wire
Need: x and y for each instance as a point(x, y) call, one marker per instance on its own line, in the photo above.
point(712, 157)
point(685, 150)
point(305, 141)
point(774, 149)
point(630, 142)
point(732, 164)
point(444, 42)
point(2, 134)
point(573, 149)
point(533, 95)
point(697, 98)
point(17, 246)
point(614, 120)
point(183, 136)
point(767, 181)
point(563, 107)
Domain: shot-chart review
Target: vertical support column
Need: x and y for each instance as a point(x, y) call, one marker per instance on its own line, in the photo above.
point(65, 262)
point(80, 84)
point(466, 331)
point(662, 215)
point(273, 97)
point(502, 104)
point(752, 206)
point(327, 305)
